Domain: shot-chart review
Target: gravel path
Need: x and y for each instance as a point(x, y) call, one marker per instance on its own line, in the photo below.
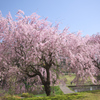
point(65, 89)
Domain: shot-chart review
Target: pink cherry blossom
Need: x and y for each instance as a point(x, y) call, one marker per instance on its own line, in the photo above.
point(33, 51)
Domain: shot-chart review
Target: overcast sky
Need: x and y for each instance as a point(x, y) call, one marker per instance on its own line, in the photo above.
point(83, 15)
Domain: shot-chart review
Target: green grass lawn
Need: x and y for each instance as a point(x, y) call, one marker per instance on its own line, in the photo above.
point(91, 95)
point(55, 90)
point(58, 94)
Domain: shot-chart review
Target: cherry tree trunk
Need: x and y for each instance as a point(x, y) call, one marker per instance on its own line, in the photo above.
point(47, 88)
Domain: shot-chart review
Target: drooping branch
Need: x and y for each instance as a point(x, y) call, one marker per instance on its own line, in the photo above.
point(29, 75)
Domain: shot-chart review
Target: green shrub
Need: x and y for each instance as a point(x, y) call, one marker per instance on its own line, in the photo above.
point(9, 97)
point(26, 95)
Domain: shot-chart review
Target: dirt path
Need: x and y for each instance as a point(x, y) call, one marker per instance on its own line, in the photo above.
point(65, 89)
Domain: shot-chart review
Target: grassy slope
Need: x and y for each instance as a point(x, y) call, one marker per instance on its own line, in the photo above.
point(71, 77)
